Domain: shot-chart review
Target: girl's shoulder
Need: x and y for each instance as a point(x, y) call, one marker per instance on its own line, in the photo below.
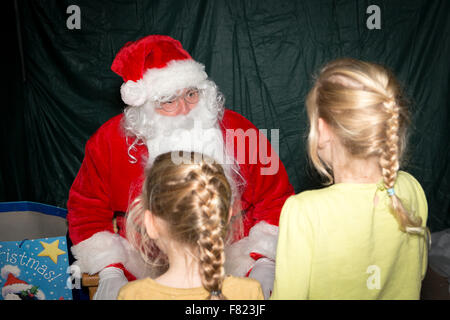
point(307, 204)
point(407, 186)
point(410, 191)
point(135, 289)
point(231, 281)
point(405, 178)
point(311, 196)
point(236, 288)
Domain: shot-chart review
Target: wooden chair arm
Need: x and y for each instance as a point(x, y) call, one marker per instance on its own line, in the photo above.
point(91, 282)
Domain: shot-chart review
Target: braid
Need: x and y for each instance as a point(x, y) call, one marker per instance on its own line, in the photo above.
point(389, 162)
point(389, 159)
point(211, 228)
point(194, 200)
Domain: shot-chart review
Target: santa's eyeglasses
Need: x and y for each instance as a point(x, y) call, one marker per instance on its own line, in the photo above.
point(170, 104)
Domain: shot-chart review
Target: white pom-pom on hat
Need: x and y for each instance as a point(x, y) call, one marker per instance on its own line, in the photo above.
point(133, 93)
point(6, 270)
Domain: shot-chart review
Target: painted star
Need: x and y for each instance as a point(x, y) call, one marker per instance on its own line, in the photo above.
point(51, 250)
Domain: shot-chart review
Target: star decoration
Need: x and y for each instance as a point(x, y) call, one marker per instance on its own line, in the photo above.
point(51, 250)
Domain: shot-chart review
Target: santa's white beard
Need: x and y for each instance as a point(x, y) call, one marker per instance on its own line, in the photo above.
point(197, 131)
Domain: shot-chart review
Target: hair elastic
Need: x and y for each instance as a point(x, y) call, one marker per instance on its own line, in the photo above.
point(391, 192)
point(216, 293)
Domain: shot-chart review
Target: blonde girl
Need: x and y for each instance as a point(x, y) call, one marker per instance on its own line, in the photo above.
point(363, 236)
point(179, 225)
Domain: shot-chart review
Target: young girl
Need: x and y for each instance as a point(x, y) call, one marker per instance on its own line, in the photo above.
point(183, 213)
point(364, 236)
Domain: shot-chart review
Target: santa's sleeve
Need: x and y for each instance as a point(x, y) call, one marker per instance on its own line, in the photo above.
point(268, 185)
point(90, 217)
point(267, 188)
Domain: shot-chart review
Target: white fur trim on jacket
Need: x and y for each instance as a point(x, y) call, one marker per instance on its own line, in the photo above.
point(105, 248)
point(262, 239)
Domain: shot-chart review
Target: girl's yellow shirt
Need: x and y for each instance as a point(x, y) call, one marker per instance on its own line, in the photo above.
point(234, 288)
point(335, 243)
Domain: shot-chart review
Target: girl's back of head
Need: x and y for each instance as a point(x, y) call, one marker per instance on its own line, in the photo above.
point(193, 199)
point(364, 106)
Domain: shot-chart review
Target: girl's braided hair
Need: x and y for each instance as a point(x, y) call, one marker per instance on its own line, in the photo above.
point(194, 201)
point(364, 105)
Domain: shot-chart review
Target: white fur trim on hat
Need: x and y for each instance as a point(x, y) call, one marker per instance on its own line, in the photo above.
point(157, 82)
point(6, 270)
point(9, 292)
point(177, 75)
point(12, 296)
point(15, 288)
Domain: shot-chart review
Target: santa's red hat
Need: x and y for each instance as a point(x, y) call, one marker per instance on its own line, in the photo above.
point(155, 66)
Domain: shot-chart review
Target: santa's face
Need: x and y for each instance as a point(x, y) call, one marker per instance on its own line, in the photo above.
point(162, 115)
point(180, 104)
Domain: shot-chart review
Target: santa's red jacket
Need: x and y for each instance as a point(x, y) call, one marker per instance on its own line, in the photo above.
point(108, 181)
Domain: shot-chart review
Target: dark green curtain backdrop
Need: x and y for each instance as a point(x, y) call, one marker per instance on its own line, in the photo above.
point(262, 55)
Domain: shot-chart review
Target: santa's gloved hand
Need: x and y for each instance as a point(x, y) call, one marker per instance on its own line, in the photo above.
point(111, 280)
point(264, 272)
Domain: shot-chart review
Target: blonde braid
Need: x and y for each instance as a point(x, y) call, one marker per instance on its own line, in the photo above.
point(212, 218)
point(389, 162)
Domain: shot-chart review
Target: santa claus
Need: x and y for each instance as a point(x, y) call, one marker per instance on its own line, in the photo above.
point(171, 106)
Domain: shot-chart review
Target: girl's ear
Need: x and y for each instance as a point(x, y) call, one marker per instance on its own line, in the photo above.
point(150, 226)
point(324, 133)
